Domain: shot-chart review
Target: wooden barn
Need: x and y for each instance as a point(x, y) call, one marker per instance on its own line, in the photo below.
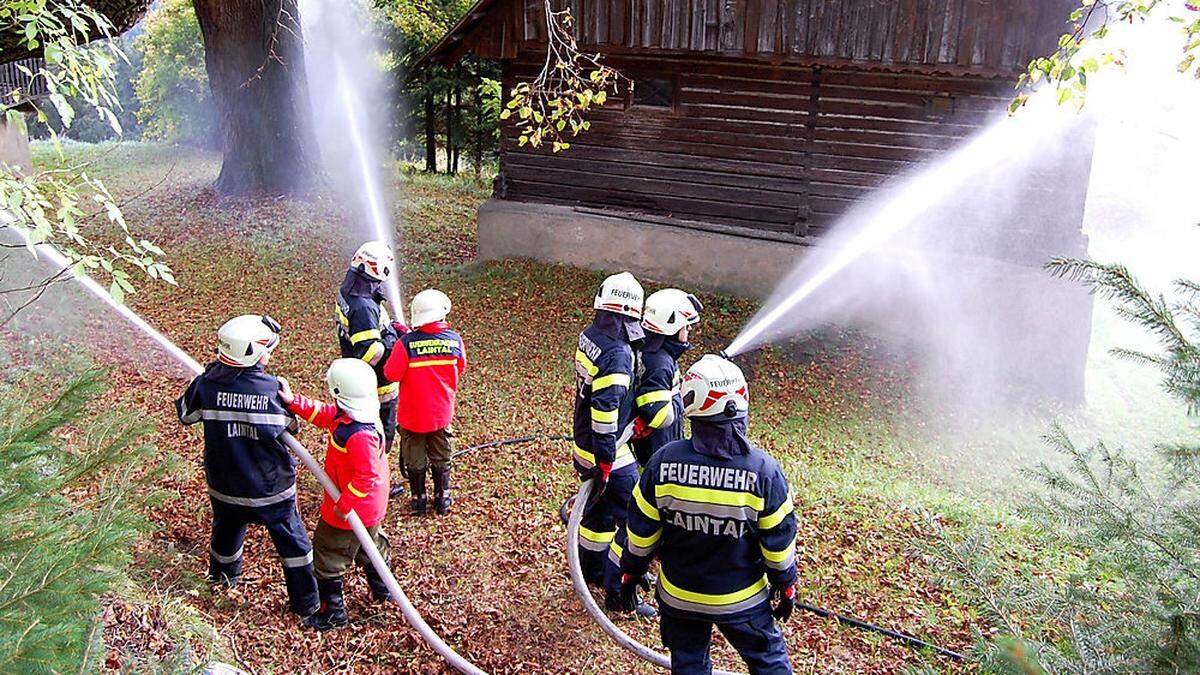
point(753, 125)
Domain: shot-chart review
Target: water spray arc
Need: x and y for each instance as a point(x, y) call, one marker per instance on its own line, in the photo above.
point(368, 545)
point(370, 181)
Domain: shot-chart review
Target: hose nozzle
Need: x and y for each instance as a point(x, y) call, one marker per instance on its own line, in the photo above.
point(723, 354)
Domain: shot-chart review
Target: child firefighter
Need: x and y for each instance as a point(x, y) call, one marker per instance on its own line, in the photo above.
point(356, 462)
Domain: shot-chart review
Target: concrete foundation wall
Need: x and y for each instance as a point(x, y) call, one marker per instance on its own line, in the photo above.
point(691, 258)
point(14, 146)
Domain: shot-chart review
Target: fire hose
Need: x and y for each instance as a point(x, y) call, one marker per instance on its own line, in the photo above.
point(368, 545)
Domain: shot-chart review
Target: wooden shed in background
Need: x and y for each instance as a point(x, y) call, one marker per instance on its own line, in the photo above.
point(753, 123)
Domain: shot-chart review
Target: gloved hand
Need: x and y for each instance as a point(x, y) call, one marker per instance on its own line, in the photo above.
point(599, 478)
point(629, 586)
point(640, 429)
point(379, 295)
point(783, 601)
point(400, 328)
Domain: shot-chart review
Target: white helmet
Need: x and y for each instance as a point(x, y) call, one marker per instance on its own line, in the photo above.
point(244, 340)
point(428, 306)
point(620, 293)
point(669, 310)
point(715, 387)
point(374, 259)
point(352, 383)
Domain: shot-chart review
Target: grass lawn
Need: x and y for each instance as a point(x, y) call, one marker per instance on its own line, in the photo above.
point(491, 578)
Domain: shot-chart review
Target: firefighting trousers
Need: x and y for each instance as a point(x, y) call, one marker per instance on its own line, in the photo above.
point(336, 549)
point(387, 415)
point(756, 638)
point(420, 451)
point(603, 526)
point(287, 531)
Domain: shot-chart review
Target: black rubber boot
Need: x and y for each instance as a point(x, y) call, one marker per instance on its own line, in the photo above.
point(420, 499)
point(379, 590)
point(637, 606)
point(396, 491)
point(441, 486)
point(333, 609)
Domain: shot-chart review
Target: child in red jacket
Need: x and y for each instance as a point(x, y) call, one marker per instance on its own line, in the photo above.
point(356, 462)
point(427, 363)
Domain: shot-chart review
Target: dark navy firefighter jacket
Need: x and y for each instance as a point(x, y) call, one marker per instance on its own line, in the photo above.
point(245, 462)
point(364, 327)
point(603, 421)
point(723, 529)
point(656, 396)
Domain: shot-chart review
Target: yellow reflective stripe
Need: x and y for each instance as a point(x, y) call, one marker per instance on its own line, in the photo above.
point(778, 556)
point(708, 496)
point(613, 380)
point(373, 352)
point(643, 542)
point(590, 458)
point(643, 505)
point(609, 416)
point(372, 334)
point(388, 388)
point(333, 444)
point(597, 537)
point(615, 548)
point(710, 599)
point(354, 491)
point(316, 411)
point(661, 417)
point(654, 397)
point(341, 316)
point(587, 364)
point(767, 522)
point(438, 362)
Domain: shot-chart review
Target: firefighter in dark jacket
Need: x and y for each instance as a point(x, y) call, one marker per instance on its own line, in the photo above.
point(603, 425)
point(717, 513)
point(667, 319)
point(365, 331)
point(251, 477)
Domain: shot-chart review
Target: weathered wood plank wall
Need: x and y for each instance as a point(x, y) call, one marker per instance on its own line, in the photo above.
point(780, 149)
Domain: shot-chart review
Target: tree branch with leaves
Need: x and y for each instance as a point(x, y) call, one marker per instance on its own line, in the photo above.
point(552, 108)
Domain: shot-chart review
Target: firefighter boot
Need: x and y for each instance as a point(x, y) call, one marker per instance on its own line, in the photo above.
point(420, 499)
point(441, 486)
point(379, 590)
point(634, 603)
point(333, 610)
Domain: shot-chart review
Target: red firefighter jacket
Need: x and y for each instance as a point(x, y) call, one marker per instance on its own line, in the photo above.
point(427, 364)
point(355, 460)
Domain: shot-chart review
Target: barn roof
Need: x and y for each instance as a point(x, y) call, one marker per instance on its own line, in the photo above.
point(122, 13)
point(992, 38)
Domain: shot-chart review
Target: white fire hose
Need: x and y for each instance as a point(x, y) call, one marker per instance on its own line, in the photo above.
point(589, 603)
point(368, 545)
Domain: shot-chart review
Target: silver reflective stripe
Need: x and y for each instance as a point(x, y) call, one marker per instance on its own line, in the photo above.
point(670, 503)
point(298, 561)
point(594, 545)
point(390, 396)
point(226, 559)
point(247, 417)
point(640, 551)
point(623, 461)
point(613, 557)
point(604, 427)
point(254, 501)
point(190, 417)
point(626, 434)
point(712, 610)
point(787, 562)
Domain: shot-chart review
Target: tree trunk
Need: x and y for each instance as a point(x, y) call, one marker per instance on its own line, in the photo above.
point(478, 81)
point(450, 130)
point(430, 127)
point(457, 119)
point(254, 54)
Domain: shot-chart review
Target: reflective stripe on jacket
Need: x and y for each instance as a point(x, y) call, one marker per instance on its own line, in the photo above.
point(656, 397)
point(427, 364)
point(723, 529)
point(354, 460)
point(244, 460)
point(603, 417)
point(364, 327)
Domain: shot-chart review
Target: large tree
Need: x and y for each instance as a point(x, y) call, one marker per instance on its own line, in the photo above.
point(254, 53)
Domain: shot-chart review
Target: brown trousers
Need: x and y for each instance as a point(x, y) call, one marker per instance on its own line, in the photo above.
point(334, 549)
point(435, 448)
